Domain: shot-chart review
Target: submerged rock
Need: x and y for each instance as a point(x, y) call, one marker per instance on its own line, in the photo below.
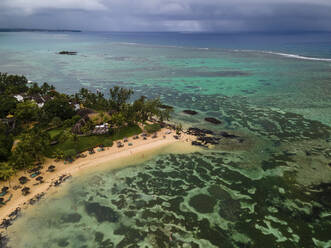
point(63, 243)
point(227, 135)
point(190, 112)
point(213, 120)
point(209, 140)
point(101, 213)
point(71, 218)
point(164, 106)
point(98, 237)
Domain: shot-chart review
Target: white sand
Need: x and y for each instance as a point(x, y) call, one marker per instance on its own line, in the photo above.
point(112, 157)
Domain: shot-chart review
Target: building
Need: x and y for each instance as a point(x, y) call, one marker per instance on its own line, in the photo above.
point(19, 98)
point(101, 129)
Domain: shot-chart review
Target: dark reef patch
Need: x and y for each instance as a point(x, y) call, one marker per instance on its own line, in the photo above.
point(71, 218)
point(203, 203)
point(101, 213)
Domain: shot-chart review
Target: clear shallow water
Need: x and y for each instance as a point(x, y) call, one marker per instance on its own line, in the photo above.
point(257, 193)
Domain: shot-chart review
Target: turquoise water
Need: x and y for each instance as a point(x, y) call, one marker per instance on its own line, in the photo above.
point(267, 191)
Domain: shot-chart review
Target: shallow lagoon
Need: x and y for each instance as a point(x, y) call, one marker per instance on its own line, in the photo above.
point(263, 192)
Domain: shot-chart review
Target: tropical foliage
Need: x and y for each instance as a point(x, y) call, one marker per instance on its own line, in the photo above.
point(38, 122)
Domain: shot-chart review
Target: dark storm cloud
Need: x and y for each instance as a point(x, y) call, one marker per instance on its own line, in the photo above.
point(168, 15)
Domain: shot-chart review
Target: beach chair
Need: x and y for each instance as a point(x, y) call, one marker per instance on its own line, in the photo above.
point(3, 193)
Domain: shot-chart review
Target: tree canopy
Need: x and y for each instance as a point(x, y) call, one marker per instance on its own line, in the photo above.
point(7, 105)
point(58, 107)
point(27, 111)
point(12, 84)
point(31, 124)
point(6, 143)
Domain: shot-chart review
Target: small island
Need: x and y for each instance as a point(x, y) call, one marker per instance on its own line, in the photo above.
point(67, 53)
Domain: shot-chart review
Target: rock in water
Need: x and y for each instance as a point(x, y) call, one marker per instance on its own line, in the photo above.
point(67, 53)
point(228, 135)
point(213, 120)
point(190, 112)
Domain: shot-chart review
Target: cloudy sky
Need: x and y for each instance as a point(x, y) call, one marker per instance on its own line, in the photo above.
point(168, 15)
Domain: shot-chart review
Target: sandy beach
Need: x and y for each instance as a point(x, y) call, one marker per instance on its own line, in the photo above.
point(111, 157)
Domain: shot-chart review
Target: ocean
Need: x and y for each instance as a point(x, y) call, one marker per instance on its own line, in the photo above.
point(271, 190)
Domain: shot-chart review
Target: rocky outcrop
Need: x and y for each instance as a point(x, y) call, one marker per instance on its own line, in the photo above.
point(208, 140)
point(61, 179)
point(198, 132)
point(204, 137)
point(67, 53)
point(3, 240)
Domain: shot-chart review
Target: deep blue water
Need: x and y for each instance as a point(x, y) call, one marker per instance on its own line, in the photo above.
point(306, 44)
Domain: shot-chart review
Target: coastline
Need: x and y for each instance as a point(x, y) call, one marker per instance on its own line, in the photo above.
point(111, 158)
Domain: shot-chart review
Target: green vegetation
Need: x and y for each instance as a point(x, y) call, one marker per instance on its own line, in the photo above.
point(152, 128)
point(83, 143)
point(38, 122)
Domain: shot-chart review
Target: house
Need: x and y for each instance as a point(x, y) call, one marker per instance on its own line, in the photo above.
point(40, 100)
point(76, 107)
point(19, 98)
point(101, 129)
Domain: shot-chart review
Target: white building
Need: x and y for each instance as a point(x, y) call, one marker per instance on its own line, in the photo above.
point(19, 98)
point(77, 107)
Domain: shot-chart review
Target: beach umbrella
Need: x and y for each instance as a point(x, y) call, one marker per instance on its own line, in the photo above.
point(25, 190)
point(51, 168)
point(23, 180)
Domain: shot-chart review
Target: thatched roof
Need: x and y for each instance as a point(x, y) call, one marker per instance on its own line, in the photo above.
point(85, 111)
point(77, 128)
point(23, 180)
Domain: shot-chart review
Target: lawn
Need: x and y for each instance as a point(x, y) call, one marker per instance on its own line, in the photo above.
point(54, 132)
point(152, 128)
point(83, 143)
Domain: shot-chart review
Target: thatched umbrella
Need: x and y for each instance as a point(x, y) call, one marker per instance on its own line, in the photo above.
point(40, 179)
point(25, 191)
point(4, 189)
point(23, 180)
point(51, 168)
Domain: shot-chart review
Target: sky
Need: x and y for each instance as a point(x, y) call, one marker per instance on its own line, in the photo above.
point(168, 15)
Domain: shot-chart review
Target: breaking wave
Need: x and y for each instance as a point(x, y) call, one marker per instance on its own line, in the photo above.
point(298, 56)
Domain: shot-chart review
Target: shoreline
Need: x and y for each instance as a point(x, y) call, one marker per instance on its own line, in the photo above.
point(111, 158)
